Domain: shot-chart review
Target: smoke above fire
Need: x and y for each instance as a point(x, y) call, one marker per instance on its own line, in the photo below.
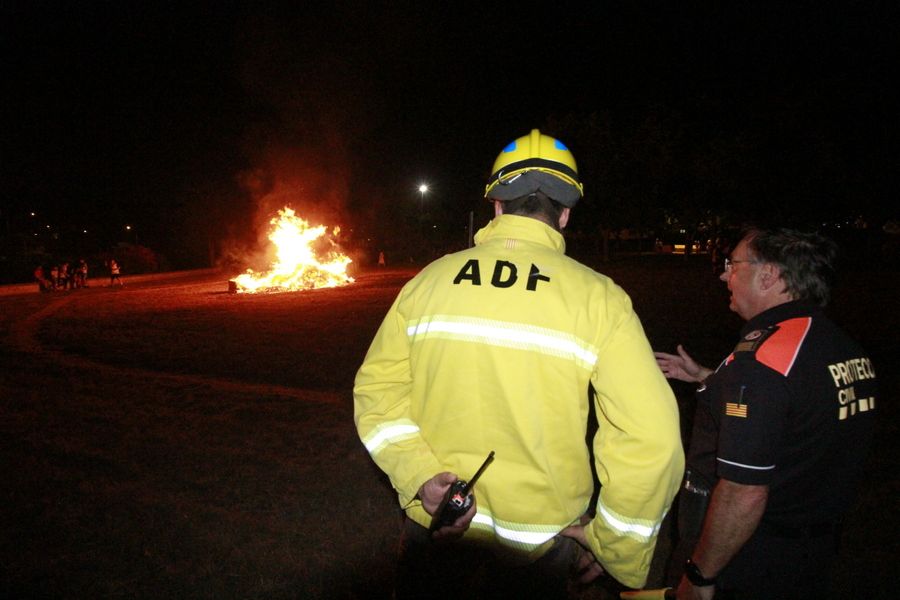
point(311, 182)
point(303, 146)
point(299, 194)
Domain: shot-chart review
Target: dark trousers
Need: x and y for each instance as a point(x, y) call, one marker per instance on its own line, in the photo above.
point(691, 509)
point(459, 569)
point(775, 563)
point(793, 565)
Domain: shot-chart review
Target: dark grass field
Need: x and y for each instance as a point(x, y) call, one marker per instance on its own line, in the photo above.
point(170, 440)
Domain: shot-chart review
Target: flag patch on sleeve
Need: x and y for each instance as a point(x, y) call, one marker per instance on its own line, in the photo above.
point(733, 409)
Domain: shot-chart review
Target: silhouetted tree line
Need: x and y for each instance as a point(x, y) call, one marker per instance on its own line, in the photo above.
point(693, 172)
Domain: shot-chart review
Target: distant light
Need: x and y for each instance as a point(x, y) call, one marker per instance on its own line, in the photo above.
point(422, 189)
point(84, 231)
point(32, 214)
point(48, 227)
point(128, 228)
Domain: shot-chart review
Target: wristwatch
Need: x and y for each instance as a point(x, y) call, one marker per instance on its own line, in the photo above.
point(692, 572)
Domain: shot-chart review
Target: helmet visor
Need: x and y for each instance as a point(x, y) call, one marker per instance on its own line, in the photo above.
point(529, 182)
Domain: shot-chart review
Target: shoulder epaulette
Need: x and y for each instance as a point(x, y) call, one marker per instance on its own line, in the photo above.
point(777, 346)
point(753, 340)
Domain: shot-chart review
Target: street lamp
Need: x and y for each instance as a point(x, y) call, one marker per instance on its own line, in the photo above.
point(422, 189)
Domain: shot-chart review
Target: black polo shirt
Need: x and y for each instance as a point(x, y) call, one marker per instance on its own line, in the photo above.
point(793, 407)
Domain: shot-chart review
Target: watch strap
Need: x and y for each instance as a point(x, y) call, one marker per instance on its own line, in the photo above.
point(695, 576)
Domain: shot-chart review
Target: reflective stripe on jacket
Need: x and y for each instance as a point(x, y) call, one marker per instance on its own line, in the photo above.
point(494, 348)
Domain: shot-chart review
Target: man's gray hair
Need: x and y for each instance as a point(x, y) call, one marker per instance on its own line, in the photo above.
point(806, 260)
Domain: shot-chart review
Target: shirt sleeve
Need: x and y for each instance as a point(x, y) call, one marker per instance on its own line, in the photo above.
point(752, 412)
point(381, 400)
point(637, 449)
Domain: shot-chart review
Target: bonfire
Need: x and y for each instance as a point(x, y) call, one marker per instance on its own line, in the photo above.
point(305, 259)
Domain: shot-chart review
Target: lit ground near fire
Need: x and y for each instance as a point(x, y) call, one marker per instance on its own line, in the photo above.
point(171, 440)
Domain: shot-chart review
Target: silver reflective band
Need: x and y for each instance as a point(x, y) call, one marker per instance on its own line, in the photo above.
point(531, 539)
point(737, 464)
point(389, 433)
point(502, 334)
point(642, 531)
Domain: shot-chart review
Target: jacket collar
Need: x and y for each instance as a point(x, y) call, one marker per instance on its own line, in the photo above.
point(782, 312)
point(521, 228)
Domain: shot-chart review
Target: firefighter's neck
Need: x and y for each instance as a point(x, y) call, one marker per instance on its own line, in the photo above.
point(563, 216)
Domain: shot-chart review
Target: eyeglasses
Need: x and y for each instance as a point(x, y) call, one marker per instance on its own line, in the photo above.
point(729, 263)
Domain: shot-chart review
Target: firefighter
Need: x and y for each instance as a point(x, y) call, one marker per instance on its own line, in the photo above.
point(781, 430)
point(495, 348)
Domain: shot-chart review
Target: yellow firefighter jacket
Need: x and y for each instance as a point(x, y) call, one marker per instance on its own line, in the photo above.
point(493, 348)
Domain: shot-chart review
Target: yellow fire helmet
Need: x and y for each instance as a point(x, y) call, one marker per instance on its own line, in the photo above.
point(531, 163)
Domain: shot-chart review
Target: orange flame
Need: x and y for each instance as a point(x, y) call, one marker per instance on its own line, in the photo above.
point(297, 265)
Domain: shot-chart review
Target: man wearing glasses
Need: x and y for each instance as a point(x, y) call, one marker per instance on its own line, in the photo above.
point(781, 429)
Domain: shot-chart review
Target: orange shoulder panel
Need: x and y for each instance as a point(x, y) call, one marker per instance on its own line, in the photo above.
point(780, 349)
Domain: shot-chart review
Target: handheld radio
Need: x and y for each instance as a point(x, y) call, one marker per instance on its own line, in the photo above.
point(458, 499)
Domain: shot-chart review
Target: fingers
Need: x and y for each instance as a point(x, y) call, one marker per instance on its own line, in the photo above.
point(587, 568)
point(445, 479)
point(459, 527)
point(464, 520)
point(432, 491)
point(665, 362)
point(448, 532)
point(576, 532)
point(591, 572)
point(669, 366)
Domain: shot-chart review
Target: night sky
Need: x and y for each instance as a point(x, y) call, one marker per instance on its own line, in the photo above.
point(190, 121)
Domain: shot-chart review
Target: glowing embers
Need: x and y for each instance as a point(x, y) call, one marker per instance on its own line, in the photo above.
point(306, 259)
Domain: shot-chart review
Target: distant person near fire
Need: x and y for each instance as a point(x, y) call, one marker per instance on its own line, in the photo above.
point(65, 277)
point(115, 277)
point(780, 432)
point(82, 273)
point(44, 284)
point(495, 348)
